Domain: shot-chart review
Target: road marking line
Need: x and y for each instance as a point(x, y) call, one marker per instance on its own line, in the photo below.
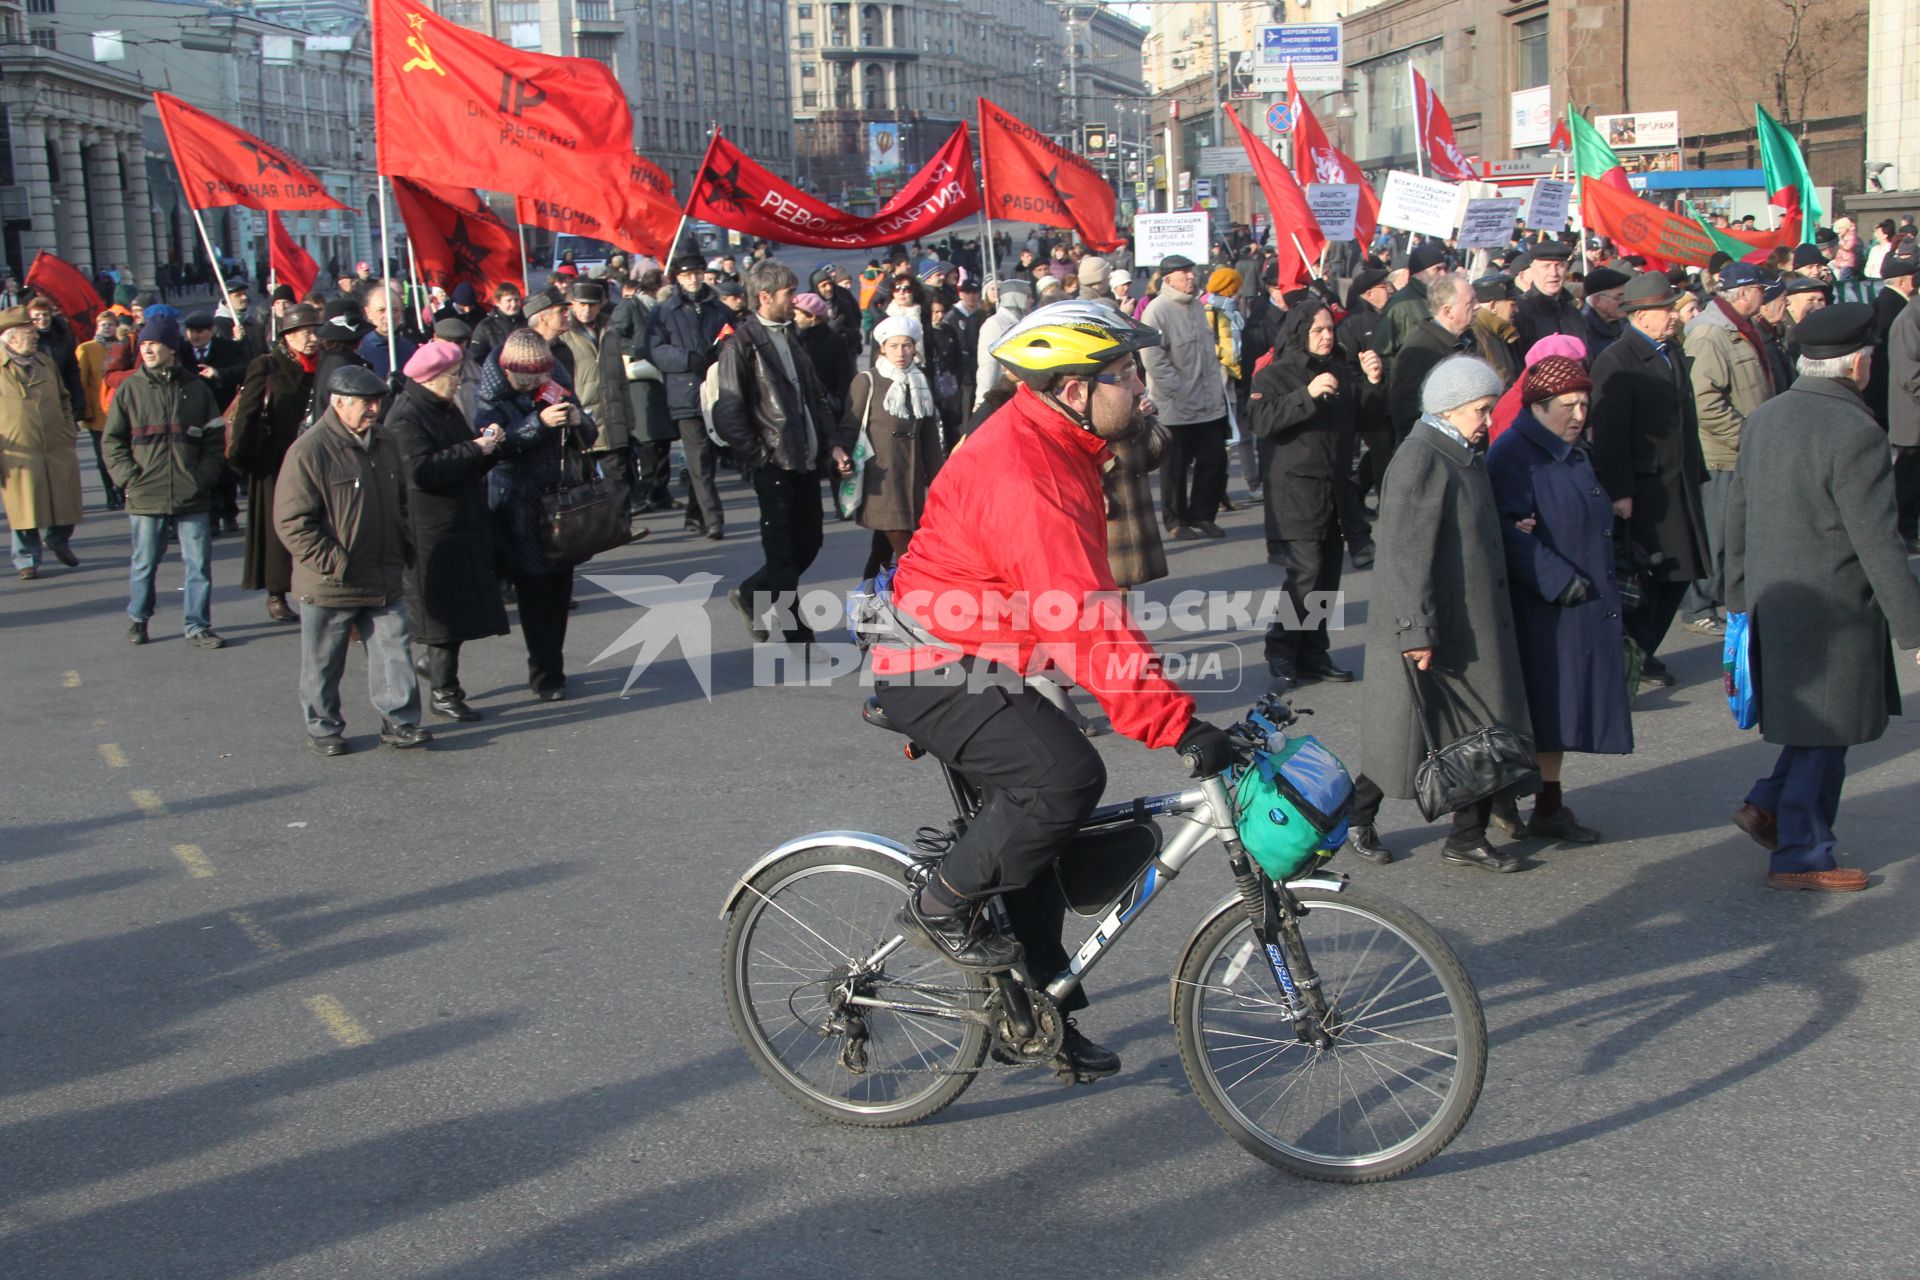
point(256, 933)
point(339, 1023)
point(70, 680)
point(149, 802)
point(113, 755)
point(194, 860)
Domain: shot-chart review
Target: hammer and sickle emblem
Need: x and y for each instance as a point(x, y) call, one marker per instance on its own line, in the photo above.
point(423, 59)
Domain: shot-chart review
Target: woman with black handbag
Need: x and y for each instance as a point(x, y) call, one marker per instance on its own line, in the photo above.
point(1449, 727)
point(534, 413)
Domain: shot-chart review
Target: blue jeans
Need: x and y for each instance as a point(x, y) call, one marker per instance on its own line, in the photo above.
point(1803, 795)
point(26, 544)
point(196, 552)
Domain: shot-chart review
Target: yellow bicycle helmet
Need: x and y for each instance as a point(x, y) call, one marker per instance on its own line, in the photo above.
point(1068, 338)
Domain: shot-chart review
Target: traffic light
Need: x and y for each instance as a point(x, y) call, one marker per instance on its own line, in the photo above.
point(1093, 141)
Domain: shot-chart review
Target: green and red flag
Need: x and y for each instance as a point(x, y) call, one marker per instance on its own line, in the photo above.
point(1789, 186)
point(1592, 157)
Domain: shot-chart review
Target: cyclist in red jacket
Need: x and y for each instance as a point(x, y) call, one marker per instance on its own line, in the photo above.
point(1008, 571)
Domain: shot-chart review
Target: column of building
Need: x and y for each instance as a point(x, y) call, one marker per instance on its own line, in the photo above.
point(109, 203)
point(70, 218)
point(38, 176)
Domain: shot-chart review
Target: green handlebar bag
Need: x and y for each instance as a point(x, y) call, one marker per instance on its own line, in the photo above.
point(1291, 807)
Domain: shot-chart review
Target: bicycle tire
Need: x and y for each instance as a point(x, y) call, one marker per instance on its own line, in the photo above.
point(923, 1063)
point(1356, 941)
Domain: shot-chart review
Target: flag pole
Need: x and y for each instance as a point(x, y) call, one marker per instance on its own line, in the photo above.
point(1300, 249)
point(1419, 144)
point(419, 297)
point(992, 259)
point(219, 276)
point(525, 288)
point(386, 251)
point(692, 189)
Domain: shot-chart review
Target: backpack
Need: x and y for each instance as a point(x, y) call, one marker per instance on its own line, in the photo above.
point(710, 389)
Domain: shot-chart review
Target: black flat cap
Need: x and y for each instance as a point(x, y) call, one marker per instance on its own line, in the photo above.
point(1648, 290)
point(198, 320)
point(730, 289)
point(452, 330)
point(1601, 279)
point(1175, 262)
point(1495, 288)
point(1902, 262)
point(1807, 284)
point(689, 262)
point(587, 291)
point(356, 380)
point(1426, 255)
point(1832, 332)
point(1371, 278)
point(1807, 255)
point(540, 300)
point(1552, 250)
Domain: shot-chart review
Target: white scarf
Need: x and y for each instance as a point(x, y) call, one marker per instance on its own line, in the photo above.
point(905, 388)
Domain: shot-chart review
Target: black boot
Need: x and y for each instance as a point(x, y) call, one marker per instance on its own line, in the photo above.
point(954, 937)
point(1081, 1061)
point(1365, 843)
point(1506, 819)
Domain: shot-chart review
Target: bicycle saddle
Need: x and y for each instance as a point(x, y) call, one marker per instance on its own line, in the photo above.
point(870, 712)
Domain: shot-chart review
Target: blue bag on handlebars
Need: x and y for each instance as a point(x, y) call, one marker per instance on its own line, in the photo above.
point(1291, 806)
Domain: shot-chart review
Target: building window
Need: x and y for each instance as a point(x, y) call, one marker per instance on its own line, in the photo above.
point(1384, 128)
point(41, 37)
point(507, 13)
point(598, 46)
point(806, 39)
point(809, 99)
point(1530, 49)
point(593, 10)
point(809, 69)
point(468, 13)
point(804, 13)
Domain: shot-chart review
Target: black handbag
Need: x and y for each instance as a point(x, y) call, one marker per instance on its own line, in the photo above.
point(583, 516)
point(1480, 763)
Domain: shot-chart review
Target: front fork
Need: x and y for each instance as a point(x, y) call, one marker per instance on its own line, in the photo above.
point(1276, 924)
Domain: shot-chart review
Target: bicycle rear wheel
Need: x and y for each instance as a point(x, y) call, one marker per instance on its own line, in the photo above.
point(799, 929)
point(1408, 1052)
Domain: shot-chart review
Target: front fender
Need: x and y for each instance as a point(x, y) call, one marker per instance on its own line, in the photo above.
point(818, 840)
point(1333, 884)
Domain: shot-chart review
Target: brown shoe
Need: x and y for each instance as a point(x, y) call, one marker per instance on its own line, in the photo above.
point(1759, 826)
point(278, 610)
point(1838, 880)
point(29, 573)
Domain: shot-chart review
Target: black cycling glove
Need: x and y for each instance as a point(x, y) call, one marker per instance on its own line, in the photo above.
point(1207, 749)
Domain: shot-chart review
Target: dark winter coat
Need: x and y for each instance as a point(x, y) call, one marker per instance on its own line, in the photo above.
point(58, 344)
point(1539, 316)
point(760, 410)
point(1307, 439)
point(1405, 312)
point(1429, 344)
point(646, 397)
point(828, 354)
point(1887, 306)
point(906, 455)
point(1570, 655)
point(1600, 334)
point(491, 332)
point(1440, 582)
point(274, 401)
point(161, 442)
point(341, 508)
point(331, 356)
point(681, 332)
point(1814, 559)
point(228, 360)
point(526, 469)
point(1646, 446)
point(453, 585)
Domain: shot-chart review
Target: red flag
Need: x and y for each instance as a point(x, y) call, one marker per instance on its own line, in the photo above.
point(457, 239)
point(1296, 233)
point(1433, 134)
point(733, 191)
point(452, 104)
point(1315, 159)
point(69, 288)
point(1032, 178)
point(222, 165)
point(292, 265)
point(1637, 226)
point(1562, 139)
point(646, 225)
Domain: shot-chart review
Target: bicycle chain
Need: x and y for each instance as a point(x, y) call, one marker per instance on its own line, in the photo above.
point(991, 1064)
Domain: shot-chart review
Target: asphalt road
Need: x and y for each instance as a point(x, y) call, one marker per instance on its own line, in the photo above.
point(456, 1012)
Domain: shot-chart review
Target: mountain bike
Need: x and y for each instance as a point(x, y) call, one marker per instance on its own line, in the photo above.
point(1329, 1031)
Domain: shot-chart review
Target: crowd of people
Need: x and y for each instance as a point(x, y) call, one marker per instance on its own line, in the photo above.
point(1546, 461)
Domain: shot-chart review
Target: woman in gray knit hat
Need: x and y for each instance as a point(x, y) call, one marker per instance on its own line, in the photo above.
point(1440, 605)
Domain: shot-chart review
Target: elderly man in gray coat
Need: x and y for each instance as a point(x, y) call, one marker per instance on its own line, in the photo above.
point(1441, 617)
point(1814, 559)
point(1188, 389)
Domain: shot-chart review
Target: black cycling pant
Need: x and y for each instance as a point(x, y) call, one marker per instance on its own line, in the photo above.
point(1039, 778)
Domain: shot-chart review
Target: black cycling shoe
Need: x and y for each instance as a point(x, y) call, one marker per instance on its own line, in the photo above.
point(1081, 1061)
point(954, 938)
point(1365, 843)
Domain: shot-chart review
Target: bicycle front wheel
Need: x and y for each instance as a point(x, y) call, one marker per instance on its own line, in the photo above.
point(1408, 1044)
point(806, 922)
